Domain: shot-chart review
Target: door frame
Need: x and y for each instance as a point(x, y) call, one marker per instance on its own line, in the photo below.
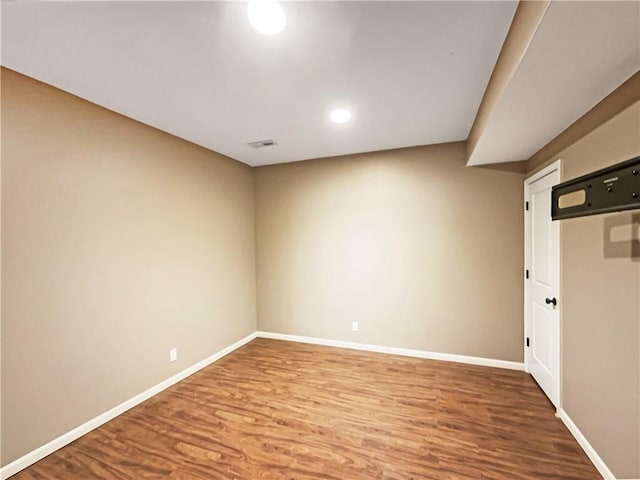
point(548, 170)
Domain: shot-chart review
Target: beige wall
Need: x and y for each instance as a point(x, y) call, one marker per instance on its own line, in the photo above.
point(423, 252)
point(119, 242)
point(600, 306)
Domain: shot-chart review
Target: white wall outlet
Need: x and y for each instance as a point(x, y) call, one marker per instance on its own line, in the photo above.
point(173, 354)
point(354, 326)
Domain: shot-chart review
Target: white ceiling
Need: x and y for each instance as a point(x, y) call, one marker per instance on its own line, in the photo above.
point(413, 73)
point(581, 52)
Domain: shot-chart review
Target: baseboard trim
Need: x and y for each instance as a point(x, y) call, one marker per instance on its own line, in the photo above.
point(65, 439)
point(447, 357)
point(586, 446)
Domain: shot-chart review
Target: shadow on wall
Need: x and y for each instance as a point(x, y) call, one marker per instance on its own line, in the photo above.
point(622, 237)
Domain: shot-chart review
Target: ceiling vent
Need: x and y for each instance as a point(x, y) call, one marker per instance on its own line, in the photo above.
point(262, 143)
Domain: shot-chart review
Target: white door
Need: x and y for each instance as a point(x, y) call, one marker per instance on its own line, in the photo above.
point(542, 252)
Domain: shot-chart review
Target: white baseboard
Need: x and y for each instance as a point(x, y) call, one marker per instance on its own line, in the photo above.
point(41, 452)
point(448, 357)
point(586, 446)
point(57, 443)
point(65, 439)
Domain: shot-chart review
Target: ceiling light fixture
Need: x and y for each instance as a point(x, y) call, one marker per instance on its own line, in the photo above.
point(266, 16)
point(340, 115)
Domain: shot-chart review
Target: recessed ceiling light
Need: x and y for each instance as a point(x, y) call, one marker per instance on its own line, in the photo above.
point(266, 16)
point(340, 115)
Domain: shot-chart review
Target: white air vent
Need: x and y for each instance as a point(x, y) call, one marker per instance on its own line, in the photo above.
point(262, 143)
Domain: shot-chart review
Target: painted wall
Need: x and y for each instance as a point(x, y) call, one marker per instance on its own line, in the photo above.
point(600, 305)
point(423, 252)
point(119, 242)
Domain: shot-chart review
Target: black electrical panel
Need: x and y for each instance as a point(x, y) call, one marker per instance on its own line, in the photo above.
point(612, 189)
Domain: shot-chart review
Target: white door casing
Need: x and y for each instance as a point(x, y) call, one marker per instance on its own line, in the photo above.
point(542, 261)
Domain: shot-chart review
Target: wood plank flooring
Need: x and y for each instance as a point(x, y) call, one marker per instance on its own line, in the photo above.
point(280, 410)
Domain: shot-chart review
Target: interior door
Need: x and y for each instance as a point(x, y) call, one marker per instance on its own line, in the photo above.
point(542, 318)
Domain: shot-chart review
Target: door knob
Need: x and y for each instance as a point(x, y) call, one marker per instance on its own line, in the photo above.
point(551, 301)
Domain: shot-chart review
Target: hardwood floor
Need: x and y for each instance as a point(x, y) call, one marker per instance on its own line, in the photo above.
point(280, 410)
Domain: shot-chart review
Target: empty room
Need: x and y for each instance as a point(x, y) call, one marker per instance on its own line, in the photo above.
point(320, 240)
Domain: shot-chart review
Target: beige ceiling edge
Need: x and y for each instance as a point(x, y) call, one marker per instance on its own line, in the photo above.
point(525, 22)
point(620, 99)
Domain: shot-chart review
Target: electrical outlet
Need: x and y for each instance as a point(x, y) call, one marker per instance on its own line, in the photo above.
point(354, 326)
point(173, 354)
